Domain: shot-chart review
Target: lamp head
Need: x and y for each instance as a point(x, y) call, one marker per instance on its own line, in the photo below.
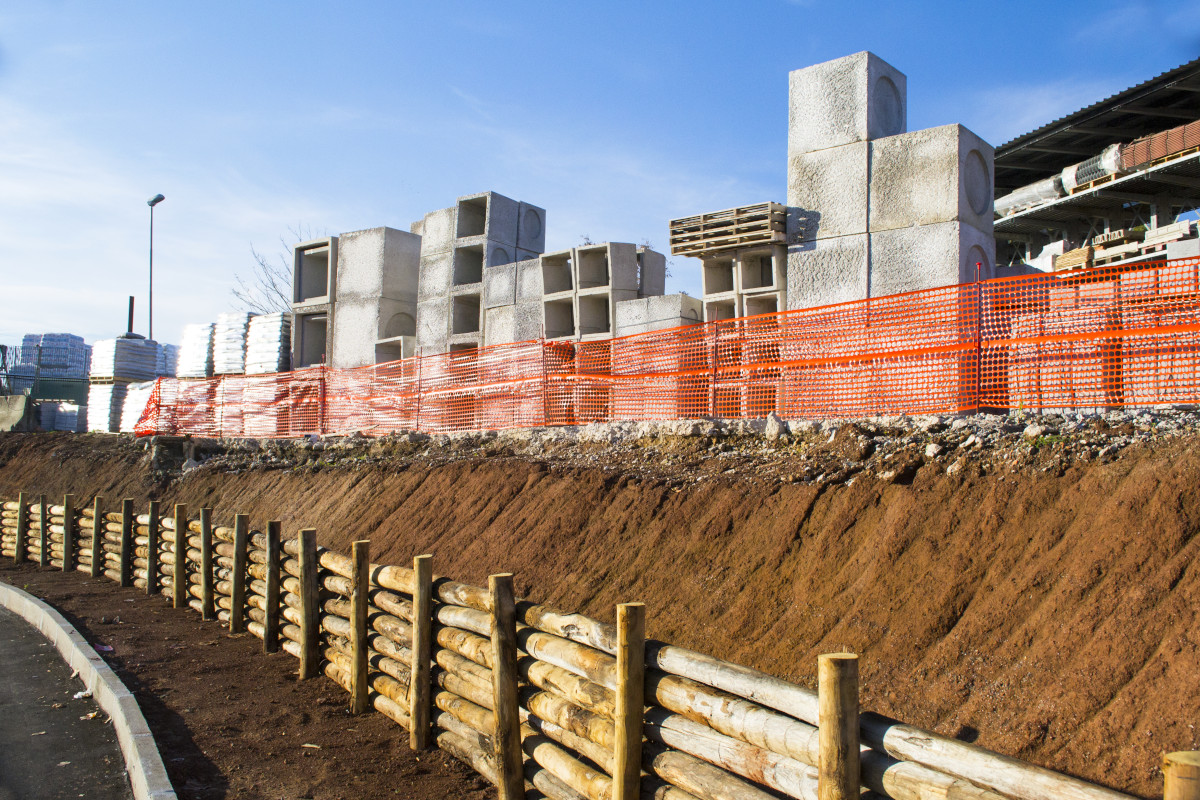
point(153, 201)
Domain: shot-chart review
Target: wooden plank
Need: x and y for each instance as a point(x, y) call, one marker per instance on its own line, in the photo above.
point(631, 669)
point(97, 537)
point(127, 522)
point(208, 609)
point(507, 738)
point(360, 578)
point(237, 594)
point(69, 532)
point(179, 597)
point(271, 622)
point(152, 550)
point(309, 600)
point(837, 692)
point(419, 689)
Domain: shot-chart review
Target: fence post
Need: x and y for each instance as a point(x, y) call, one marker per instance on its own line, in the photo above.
point(507, 737)
point(208, 606)
point(271, 622)
point(44, 529)
point(1181, 776)
point(631, 676)
point(179, 576)
point(422, 650)
point(237, 600)
point(152, 549)
point(22, 545)
point(68, 557)
point(310, 588)
point(126, 569)
point(99, 556)
point(360, 582)
point(837, 691)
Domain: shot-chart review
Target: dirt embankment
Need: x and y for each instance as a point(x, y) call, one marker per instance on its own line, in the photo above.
point(1036, 591)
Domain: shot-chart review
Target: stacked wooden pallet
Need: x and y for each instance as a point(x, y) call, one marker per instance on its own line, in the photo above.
point(1079, 257)
point(730, 229)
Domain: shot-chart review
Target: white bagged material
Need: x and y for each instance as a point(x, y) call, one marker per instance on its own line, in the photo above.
point(129, 359)
point(71, 418)
point(54, 355)
point(168, 361)
point(137, 395)
point(229, 343)
point(195, 358)
point(47, 411)
point(105, 401)
point(269, 344)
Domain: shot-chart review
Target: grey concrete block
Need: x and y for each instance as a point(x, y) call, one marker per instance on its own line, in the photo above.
point(718, 274)
point(1188, 248)
point(528, 323)
point(16, 414)
point(500, 286)
point(929, 256)
point(525, 255)
point(763, 303)
point(314, 267)
point(438, 231)
point(499, 254)
point(827, 271)
point(435, 274)
point(531, 228)
point(378, 262)
point(558, 271)
point(935, 175)
point(490, 215)
point(653, 272)
point(529, 280)
point(612, 264)
point(500, 325)
point(433, 322)
point(827, 193)
point(631, 316)
point(645, 314)
point(852, 99)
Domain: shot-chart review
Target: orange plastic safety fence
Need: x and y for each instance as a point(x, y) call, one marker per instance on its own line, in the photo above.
point(1082, 340)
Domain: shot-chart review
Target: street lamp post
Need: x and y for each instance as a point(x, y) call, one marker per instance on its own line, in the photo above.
point(152, 202)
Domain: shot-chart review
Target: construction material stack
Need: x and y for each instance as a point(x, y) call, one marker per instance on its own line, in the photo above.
point(229, 343)
point(137, 395)
point(116, 363)
point(268, 344)
point(196, 351)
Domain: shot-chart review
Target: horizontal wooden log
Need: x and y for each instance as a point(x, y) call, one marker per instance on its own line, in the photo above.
point(698, 778)
point(392, 603)
point(570, 717)
point(481, 762)
point(472, 714)
point(465, 644)
point(463, 688)
point(592, 753)
point(466, 618)
point(585, 661)
point(465, 668)
point(448, 722)
point(570, 770)
point(576, 627)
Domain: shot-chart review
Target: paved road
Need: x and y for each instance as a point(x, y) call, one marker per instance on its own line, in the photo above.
point(46, 751)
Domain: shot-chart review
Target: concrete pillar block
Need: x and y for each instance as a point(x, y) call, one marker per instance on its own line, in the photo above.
point(558, 272)
point(531, 228)
point(528, 322)
point(852, 99)
point(378, 262)
point(314, 268)
point(827, 271)
point(529, 280)
point(500, 286)
point(632, 316)
point(490, 215)
point(929, 176)
point(928, 256)
point(762, 269)
point(500, 254)
point(770, 302)
point(827, 193)
point(653, 272)
point(718, 274)
point(500, 326)
point(433, 322)
point(657, 313)
point(525, 255)
point(438, 231)
point(435, 274)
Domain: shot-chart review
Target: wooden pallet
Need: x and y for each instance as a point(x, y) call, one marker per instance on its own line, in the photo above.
point(729, 229)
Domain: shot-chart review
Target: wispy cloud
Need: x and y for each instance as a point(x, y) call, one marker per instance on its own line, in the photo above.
point(1003, 112)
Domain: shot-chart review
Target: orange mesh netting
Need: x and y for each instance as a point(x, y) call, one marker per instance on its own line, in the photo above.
point(1082, 340)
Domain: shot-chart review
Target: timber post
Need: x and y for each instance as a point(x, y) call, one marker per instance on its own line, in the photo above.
point(179, 585)
point(631, 676)
point(360, 582)
point(507, 738)
point(68, 556)
point(44, 530)
point(837, 693)
point(419, 690)
point(152, 550)
point(309, 598)
point(208, 606)
point(22, 546)
point(99, 556)
point(237, 600)
point(1181, 775)
point(271, 620)
point(126, 570)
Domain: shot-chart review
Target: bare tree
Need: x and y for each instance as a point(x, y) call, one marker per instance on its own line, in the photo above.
point(268, 287)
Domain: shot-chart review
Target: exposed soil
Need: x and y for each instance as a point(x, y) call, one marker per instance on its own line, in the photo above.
point(233, 722)
point(1033, 589)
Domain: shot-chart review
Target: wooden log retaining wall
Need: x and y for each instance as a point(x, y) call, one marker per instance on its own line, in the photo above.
point(537, 700)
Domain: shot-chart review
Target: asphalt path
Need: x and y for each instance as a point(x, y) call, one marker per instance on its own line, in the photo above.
point(52, 746)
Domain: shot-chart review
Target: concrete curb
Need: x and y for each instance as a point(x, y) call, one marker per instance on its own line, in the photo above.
point(147, 775)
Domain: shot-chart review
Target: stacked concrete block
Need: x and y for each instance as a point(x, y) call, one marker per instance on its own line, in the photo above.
point(646, 314)
point(375, 306)
point(313, 294)
point(745, 282)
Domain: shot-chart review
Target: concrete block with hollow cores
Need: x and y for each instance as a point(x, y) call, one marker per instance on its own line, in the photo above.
point(531, 228)
point(500, 286)
point(436, 270)
point(490, 215)
point(827, 271)
point(827, 193)
point(314, 264)
point(662, 312)
point(928, 256)
point(433, 323)
point(438, 232)
point(853, 99)
point(929, 176)
point(653, 272)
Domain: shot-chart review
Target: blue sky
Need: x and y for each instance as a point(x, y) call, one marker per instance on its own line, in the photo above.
point(253, 117)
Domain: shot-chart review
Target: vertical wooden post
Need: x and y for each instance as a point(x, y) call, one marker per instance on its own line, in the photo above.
point(152, 550)
point(126, 569)
point(360, 582)
point(22, 547)
point(208, 603)
point(631, 676)
point(99, 558)
point(44, 530)
point(179, 575)
point(422, 651)
point(271, 623)
point(68, 558)
point(237, 600)
point(837, 692)
point(507, 738)
point(1181, 776)
point(310, 588)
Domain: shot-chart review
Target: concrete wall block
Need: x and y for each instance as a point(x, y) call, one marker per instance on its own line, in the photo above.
point(528, 322)
point(827, 193)
point(529, 280)
point(438, 231)
point(433, 322)
point(631, 316)
point(929, 256)
point(435, 274)
point(378, 262)
point(314, 270)
point(623, 266)
point(500, 286)
point(499, 254)
point(827, 271)
point(402, 264)
point(853, 99)
point(929, 176)
point(657, 313)
point(531, 228)
point(653, 273)
point(488, 214)
point(500, 325)
point(525, 255)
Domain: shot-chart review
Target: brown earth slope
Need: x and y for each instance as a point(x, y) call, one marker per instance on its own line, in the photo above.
point(1041, 607)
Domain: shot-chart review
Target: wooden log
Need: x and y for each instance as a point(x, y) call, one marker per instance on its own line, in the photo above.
point(570, 770)
point(466, 618)
point(838, 767)
point(580, 691)
point(465, 644)
point(477, 760)
point(309, 599)
point(697, 777)
point(466, 669)
point(507, 736)
point(594, 728)
point(43, 532)
point(69, 532)
point(208, 608)
point(20, 544)
point(453, 724)
point(1181, 776)
point(465, 687)
point(153, 547)
point(179, 580)
point(576, 627)
point(126, 542)
point(271, 625)
point(360, 577)
point(419, 702)
point(596, 666)
point(598, 755)
point(631, 667)
point(237, 592)
point(472, 714)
